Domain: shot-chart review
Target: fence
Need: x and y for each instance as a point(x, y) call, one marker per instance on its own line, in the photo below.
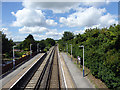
point(18, 62)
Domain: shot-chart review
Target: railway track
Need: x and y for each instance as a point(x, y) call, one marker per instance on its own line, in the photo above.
point(44, 74)
point(54, 81)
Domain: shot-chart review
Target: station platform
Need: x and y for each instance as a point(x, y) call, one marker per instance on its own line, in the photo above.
point(75, 73)
point(9, 79)
point(72, 76)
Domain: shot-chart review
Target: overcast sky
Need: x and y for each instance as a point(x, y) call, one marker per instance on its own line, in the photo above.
point(50, 19)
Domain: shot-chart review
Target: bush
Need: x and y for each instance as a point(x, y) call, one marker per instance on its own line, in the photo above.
point(102, 53)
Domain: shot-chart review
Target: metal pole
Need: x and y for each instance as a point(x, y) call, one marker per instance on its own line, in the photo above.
point(13, 58)
point(71, 52)
point(30, 49)
point(37, 47)
point(83, 61)
point(13, 52)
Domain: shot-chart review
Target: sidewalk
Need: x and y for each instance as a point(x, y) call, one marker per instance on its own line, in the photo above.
point(76, 73)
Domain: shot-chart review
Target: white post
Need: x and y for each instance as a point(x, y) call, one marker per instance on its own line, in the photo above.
point(13, 52)
point(71, 52)
point(37, 47)
point(30, 49)
point(13, 58)
point(83, 61)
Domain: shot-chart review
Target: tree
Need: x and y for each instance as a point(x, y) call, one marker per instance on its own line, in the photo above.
point(7, 45)
point(42, 44)
point(102, 52)
point(67, 36)
point(50, 42)
point(25, 45)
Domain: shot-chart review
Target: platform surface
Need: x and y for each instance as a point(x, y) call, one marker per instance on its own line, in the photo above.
point(80, 81)
point(8, 78)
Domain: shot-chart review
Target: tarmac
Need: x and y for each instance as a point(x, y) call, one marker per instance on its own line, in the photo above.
point(73, 77)
point(8, 78)
point(76, 74)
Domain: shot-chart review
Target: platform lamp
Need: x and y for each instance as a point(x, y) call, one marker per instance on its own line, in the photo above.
point(83, 59)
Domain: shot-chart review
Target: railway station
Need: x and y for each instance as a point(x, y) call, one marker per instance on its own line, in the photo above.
point(53, 69)
point(59, 44)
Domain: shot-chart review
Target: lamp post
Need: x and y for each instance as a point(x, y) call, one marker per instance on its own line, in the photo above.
point(13, 58)
point(71, 52)
point(30, 49)
point(67, 47)
point(83, 59)
point(37, 47)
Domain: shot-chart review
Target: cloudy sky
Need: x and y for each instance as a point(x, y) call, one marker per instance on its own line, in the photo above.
point(50, 19)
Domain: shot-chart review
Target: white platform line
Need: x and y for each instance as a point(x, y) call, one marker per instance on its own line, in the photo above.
point(62, 70)
point(25, 73)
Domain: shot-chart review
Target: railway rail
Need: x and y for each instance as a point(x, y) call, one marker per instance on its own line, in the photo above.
point(44, 74)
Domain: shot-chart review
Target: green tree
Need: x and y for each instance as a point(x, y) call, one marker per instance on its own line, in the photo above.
point(102, 52)
point(50, 42)
point(42, 44)
point(67, 36)
point(25, 45)
point(7, 45)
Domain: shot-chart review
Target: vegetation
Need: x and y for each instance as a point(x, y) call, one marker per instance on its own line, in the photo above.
point(67, 36)
point(24, 46)
point(7, 46)
point(102, 52)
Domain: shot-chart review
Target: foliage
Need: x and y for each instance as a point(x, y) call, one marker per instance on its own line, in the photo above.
point(67, 36)
point(102, 52)
point(50, 42)
point(25, 45)
point(42, 44)
point(7, 46)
